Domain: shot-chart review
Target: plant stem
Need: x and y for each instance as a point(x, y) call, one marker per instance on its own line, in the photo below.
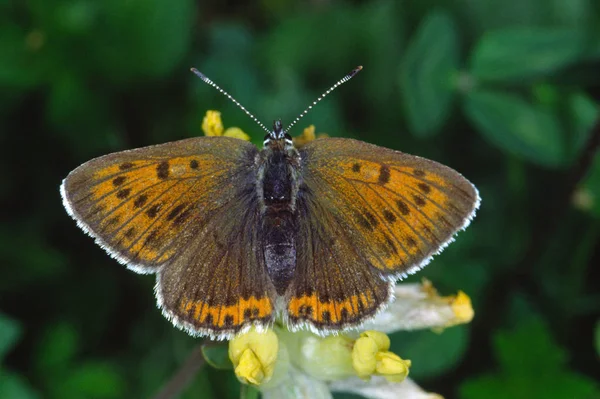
point(182, 378)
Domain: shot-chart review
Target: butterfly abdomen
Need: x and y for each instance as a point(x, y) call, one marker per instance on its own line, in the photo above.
point(279, 217)
point(280, 248)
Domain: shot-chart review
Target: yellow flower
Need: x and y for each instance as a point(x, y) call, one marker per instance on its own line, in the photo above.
point(307, 136)
point(213, 126)
point(462, 308)
point(371, 356)
point(253, 355)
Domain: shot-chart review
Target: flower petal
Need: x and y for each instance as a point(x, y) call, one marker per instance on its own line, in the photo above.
point(253, 355)
point(212, 124)
point(298, 385)
point(418, 306)
point(379, 388)
point(237, 133)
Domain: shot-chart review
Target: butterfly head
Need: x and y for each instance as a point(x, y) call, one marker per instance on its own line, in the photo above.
point(278, 138)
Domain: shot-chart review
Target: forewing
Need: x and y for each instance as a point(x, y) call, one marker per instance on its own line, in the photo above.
point(399, 210)
point(187, 210)
point(144, 205)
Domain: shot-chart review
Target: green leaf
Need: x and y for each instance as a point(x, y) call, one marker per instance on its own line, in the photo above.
point(217, 356)
point(20, 66)
point(525, 52)
point(58, 348)
point(597, 337)
point(248, 392)
point(145, 38)
point(531, 366)
point(516, 126)
point(93, 380)
point(588, 195)
point(583, 112)
point(431, 353)
point(13, 386)
point(427, 73)
point(10, 332)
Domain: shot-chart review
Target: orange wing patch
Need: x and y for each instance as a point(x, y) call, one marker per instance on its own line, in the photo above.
point(403, 213)
point(331, 313)
point(204, 315)
point(140, 207)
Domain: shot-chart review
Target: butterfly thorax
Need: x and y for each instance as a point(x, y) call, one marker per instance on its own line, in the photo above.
point(277, 189)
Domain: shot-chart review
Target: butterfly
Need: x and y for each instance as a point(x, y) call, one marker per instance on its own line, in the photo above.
point(238, 236)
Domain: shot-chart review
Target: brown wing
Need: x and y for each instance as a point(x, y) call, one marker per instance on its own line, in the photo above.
point(140, 204)
point(174, 209)
point(219, 284)
point(378, 212)
point(333, 286)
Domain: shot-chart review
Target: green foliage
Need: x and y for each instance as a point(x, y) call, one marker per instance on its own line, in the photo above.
point(217, 356)
point(514, 54)
point(431, 353)
point(531, 365)
point(428, 73)
point(504, 92)
point(516, 126)
point(10, 331)
point(597, 337)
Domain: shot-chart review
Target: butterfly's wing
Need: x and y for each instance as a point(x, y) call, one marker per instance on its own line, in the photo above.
point(368, 215)
point(185, 210)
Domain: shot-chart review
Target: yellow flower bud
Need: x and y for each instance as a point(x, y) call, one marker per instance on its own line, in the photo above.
point(253, 355)
point(325, 358)
point(391, 366)
point(237, 133)
point(381, 339)
point(370, 356)
point(249, 368)
point(462, 308)
point(363, 357)
point(212, 124)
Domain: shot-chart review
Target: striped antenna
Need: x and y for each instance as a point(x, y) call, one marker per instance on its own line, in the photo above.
point(338, 83)
point(211, 83)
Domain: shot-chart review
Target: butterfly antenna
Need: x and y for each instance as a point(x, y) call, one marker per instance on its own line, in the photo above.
point(332, 88)
point(211, 83)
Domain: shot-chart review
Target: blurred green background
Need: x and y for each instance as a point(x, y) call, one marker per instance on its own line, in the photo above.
point(506, 92)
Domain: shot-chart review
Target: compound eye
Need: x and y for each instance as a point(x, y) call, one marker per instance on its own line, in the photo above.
point(287, 137)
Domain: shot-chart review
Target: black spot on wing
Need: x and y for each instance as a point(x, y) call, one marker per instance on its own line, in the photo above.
point(140, 201)
point(402, 207)
point(419, 201)
point(356, 168)
point(117, 181)
point(124, 193)
point(411, 242)
point(176, 211)
point(389, 216)
point(130, 233)
point(424, 187)
point(364, 222)
point(153, 211)
point(162, 170)
point(126, 165)
point(384, 174)
point(193, 164)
